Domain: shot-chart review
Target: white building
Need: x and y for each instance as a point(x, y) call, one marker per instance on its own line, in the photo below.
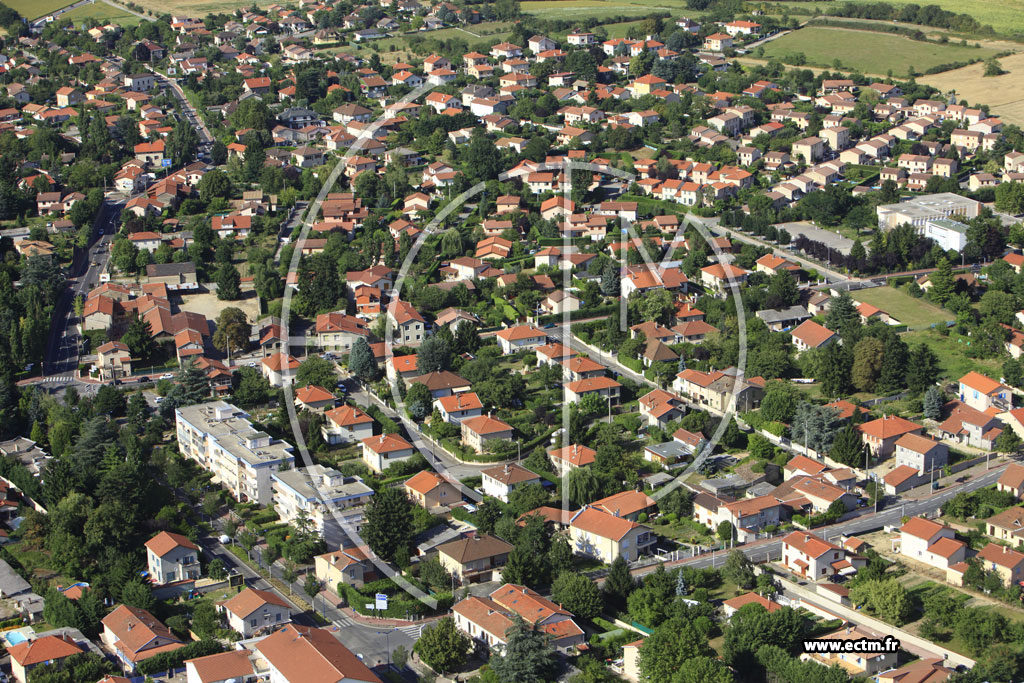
point(947, 233)
point(316, 491)
point(219, 437)
point(171, 558)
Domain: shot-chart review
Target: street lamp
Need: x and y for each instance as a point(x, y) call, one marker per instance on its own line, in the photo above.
point(387, 644)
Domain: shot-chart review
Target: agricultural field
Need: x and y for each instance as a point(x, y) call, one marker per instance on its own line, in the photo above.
point(1002, 15)
point(192, 8)
point(916, 313)
point(101, 11)
point(1001, 93)
point(33, 9)
point(869, 52)
point(952, 353)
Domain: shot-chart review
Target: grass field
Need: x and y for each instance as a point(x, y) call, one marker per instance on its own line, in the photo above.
point(33, 9)
point(917, 313)
point(875, 53)
point(1001, 93)
point(1003, 15)
point(101, 11)
point(951, 351)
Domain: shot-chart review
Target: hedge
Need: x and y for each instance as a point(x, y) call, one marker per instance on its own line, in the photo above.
point(166, 661)
point(389, 426)
point(581, 314)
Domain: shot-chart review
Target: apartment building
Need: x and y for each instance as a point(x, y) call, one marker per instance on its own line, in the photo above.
point(221, 439)
point(316, 491)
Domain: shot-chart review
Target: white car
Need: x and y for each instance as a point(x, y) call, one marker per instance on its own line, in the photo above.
point(167, 375)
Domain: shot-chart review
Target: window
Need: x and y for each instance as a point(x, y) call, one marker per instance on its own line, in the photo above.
point(253, 623)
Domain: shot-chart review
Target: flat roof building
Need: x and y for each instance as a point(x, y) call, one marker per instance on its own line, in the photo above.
point(920, 210)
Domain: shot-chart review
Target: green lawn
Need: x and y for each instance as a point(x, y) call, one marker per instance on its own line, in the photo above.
point(876, 53)
point(33, 9)
point(951, 352)
point(560, 9)
point(1003, 15)
point(917, 313)
point(101, 11)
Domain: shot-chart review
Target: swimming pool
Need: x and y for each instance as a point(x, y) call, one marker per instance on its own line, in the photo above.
point(15, 637)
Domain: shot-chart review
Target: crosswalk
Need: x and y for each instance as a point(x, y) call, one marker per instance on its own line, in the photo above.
point(57, 378)
point(412, 631)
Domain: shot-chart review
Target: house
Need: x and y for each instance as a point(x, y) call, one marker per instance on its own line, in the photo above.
point(931, 543)
point(748, 517)
point(134, 635)
point(351, 566)
point(1007, 526)
point(733, 605)
point(232, 665)
point(1006, 563)
point(605, 537)
point(409, 326)
point(981, 393)
point(722, 277)
point(501, 480)
point(253, 611)
point(923, 453)
point(1012, 480)
point(855, 663)
point(811, 557)
point(338, 331)
point(430, 490)
point(345, 424)
point(49, 650)
point(474, 559)
point(172, 557)
point(970, 426)
point(919, 671)
point(113, 359)
point(811, 335)
point(279, 366)
point(459, 406)
point(880, 435)
point(488, 619)
point(477, 431)
point(520, 338)
point(605, 387)
point(571, 457)
point(627, 504)
point(303, 654)
point(314, 399)
point(560, 302)
point(380, 452)
point(660, 407)
point(810, 149)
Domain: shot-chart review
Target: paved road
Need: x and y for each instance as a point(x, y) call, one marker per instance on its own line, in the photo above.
point(437, 458)
point(189, 112)
point(61, 352)
point(759, 551)
point(365, 640)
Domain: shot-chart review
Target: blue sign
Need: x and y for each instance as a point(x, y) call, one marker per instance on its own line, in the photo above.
point(165, 162)
point(381, 600)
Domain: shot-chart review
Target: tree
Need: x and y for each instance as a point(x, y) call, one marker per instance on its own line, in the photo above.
point(942, 281)
point(842, 313)
point(933, 403)
point(782, 290)
point(316, 371)
point(578, 594)
point(752, 627)
point(922, 368)
point(813, 425)
point(388, 527)
point(703, 670)
point(584, 486)
point(481, 160)
point(887, 598)
point(739, 570)
point(834, 371)
point(442, 647)
point(135, 593)
point(867, 363)
point(418, 401)
point(361, 361)
point(671, 647)
point(233, 331)
point(1007, 442)
point(434, 355)
point(725, 531)
point(528, 656)
point(780, 401)
point(610, 279)
point(228, 282)
point(619, 583)
point(214, 184)
point(138, 337)
point(311, 586)
point(848, 448)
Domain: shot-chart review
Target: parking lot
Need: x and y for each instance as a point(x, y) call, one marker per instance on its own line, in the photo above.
point(813, 232)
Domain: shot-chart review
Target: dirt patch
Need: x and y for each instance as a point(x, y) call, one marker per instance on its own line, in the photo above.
point(209, 305)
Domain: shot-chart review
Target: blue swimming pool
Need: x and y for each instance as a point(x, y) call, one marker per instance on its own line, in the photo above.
point(15, 637)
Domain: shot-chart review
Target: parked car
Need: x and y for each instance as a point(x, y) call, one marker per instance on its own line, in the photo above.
point(167, 375)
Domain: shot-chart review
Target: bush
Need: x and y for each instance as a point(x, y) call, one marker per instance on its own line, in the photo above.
point(175, 658)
